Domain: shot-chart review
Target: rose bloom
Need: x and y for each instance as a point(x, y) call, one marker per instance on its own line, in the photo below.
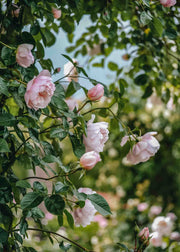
point(162, 225)
point(24, 56)
point(156, 239)
point(155, 210)
point(172, 216)
point(142, 150)
point(84, 216)
point(144, 233)
point(89, 160)
point(97, 135)
point(95, 93)
point(70, 71)
point(142, 206)
point(39, 91)
point(168, 3)
point(175, 236)
point(56, 13)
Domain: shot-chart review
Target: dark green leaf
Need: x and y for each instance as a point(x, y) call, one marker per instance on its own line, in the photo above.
point(60, 219)
point(100, 204)
point(3, 235)
point(60, 187)
point(3, 87)
point(112, 66)
point(69, 218)
point(23, 184)
point(58, 133)
point(4, 145)
point(72, 88)
point(18, 237)
point(145, 18)
point(31, 200)
point(54, 204)
point(141, 80)
point(7, 120)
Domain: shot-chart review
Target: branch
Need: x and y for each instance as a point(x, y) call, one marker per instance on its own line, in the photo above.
point(56, 176)
point(54, 233)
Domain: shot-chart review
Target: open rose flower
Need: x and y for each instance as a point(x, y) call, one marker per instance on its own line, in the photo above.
point(84, 216)
point(89, 160)
point(97, 135)
point(56, 13)
point(24, 56)
point(142, 150)
point(155, 210)
point(39, 91)
point(156, 239)
point(168, 3)
point(70, 71)
point(162, 225)
point(95, 93)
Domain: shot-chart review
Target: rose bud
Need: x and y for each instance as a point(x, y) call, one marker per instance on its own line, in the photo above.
point(56, 13)
point(39, 91)
point(95, 93)
point(144, 234)
point(89, 160)
point(24, 56)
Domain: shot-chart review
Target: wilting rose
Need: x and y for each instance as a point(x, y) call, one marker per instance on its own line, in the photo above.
point(163, 225)
point(155, 210)
point(142, 206)
point(156, 239)
point(168, 3)
point(142, 150)
point(97, 135)
point(56, 13)
point(89, 160)
point(70, 71)
point(95, 93)
point(84, 216)
point(24, 56)
point(39, 91)
point(144, 233)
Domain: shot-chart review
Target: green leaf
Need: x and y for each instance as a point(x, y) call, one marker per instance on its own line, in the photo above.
point(4, 145)
point(8, 56)
point(58, 133)
point(64, 247)
point(31, 200)
point(49, 38)
point(60, 187)
point(156, 26)
point(145, 18)
point(3, 87)
point(68, 24)
point(54, 204)
point(7, 120)
point(37, 212)
point(122, 246)
point(3, 235)
point(23, 184)
point(78, 146)
point(148, 92)
point(60, 219)
point(23, 226)
point(72, 88)
point(27, 38)
point(69, 218)
point(99, 203)
point(68, 58)
point(141, 79)
point(18, 237)
point(38, 186)
point(146, 2)
point(112, 66)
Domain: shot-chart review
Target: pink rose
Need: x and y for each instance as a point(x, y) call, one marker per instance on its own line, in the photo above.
point(97, 135)
point(24, 56)
point(84, 216)
point(144, 233)
point(142, 206)
point(95, 93)
point(70, 71)
point(89, 160)
point(168, 3)
point(156, 239)
point(172, 216)
point(155, 210)
point(175, 236)
point(162, 225)
point(56, 13)
point(39, 91)
point(101, 220)
point(142, 150)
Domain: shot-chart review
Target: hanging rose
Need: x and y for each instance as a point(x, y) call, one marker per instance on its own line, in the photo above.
point(39, 91)
point(89, 160)
point(24, 56)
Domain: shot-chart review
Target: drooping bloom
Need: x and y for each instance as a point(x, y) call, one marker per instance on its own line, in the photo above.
point(142, 150)
point(156, 239)
point(39, 91)
point(89, 160)
point(24, 56)
point(95, 93)
point(70, 71)
point(84, 216)
point(97, 135)
point(144, 233)
point(162, 225)
point(56, 13)
point(168, 3)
